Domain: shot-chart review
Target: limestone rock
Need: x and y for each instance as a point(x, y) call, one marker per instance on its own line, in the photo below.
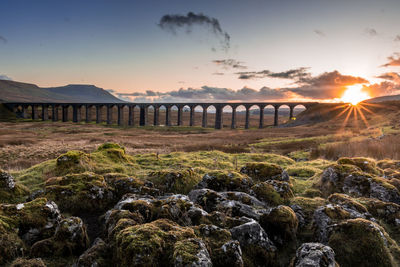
point(314, 254)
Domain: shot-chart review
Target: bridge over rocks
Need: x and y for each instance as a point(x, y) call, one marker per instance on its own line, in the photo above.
point(55, 108)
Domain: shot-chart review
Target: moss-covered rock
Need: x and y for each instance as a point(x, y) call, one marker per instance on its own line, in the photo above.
point(73, 162)
point(98, 254)
point(347, 202)
point(123, 184)
point(149, 244)
point(11, 246)
point(80, 192)
point(280, 224)
point(365, 164)
point(262, 171)
point(359, 242)
point(175, 181)
point(34, 220)
point(258, 249)
point(314, 254)
point(350, 180)
point(273, 192)
point(191, 252)
point(389, 164)
point(11, 192)
point(69, 239)
point(107, 146)
point(225, 181)
point(23, 262)
point(302, 172)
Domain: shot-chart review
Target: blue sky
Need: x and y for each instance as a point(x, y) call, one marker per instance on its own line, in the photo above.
point(118, 44)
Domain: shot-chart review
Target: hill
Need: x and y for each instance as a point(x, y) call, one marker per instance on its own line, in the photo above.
point(383, 98)
point(11, 91)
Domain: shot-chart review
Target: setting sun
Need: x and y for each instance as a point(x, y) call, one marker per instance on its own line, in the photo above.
point(354, 94)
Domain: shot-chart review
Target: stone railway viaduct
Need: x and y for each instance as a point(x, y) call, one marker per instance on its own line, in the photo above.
point(143, 111)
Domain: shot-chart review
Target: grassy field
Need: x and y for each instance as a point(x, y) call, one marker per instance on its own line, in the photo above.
point(25, 143)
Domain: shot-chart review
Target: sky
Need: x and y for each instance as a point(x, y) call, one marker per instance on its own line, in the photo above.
point(205, 50)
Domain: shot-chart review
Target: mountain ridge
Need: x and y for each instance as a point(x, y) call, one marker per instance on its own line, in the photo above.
point(12, 91)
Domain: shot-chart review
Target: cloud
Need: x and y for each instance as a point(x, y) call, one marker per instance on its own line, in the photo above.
point(297, 74)
point(218, 73)
point(207, 93)
point(371, 31)
point(326, 85)
point(319, 33)
point(397, 38)
point(3, 39)
point(5, 77)
point(229, 63)
point(391, 76)
point(174, 22)
point(394, 60)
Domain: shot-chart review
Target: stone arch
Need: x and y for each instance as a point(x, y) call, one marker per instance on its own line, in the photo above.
point(210, 110)
point(269, 112)
point(227, 111)
point(297, 109)
point(283, 113)
point(254, 115)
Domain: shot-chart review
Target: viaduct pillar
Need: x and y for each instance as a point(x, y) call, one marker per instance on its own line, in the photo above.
point(64, 113)
point(109, 114)
point(204, 120)
point(98, 114)
point(156, 116)
point(191, 120)
point(143, 116)
point(247, 123)
point(218, 117)
point(88, 113)
point(168, 115)
point(130, 115)
point(261, 124)
point(120, 115)
point(276, 115)
point(179, 122)
point(34, 112)
point(233, 122)
point(76, 113)
point(45, 112)
point(54, 112)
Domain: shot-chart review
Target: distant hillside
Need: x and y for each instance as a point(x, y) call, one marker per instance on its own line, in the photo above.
point(383, 98)
point(89, 93)
point(11, 91)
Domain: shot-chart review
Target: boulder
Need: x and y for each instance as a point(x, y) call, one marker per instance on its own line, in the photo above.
point(262, 171)
point(365, 164)
point(77, 193)
point(359, 242)
point(225, 181)
point(191, 252)
point(314, 254)
point(97, 255)
point(149, 244)
point(69, 239)
point(11, 192)
point(257, 248)
point(180, 182)
point(273, 192)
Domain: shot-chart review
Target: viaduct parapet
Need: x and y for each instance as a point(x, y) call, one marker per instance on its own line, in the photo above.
point(54, 108)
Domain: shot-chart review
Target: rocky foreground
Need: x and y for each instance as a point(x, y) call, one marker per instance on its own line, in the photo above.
point(84, 210)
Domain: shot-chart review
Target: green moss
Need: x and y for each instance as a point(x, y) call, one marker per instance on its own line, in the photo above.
point(268, 193)
point(11, 246)
point(299, 155)
point(18, 194)
point(149, 244)
point(226, 181)
point(358, 241)
point(302, 172)
point(79, 192)
point(262, 171)
point(185, 251)
point(365, 164)
point(175, 182)
point(281, 223)
point(107, 146)
point(347, 201)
